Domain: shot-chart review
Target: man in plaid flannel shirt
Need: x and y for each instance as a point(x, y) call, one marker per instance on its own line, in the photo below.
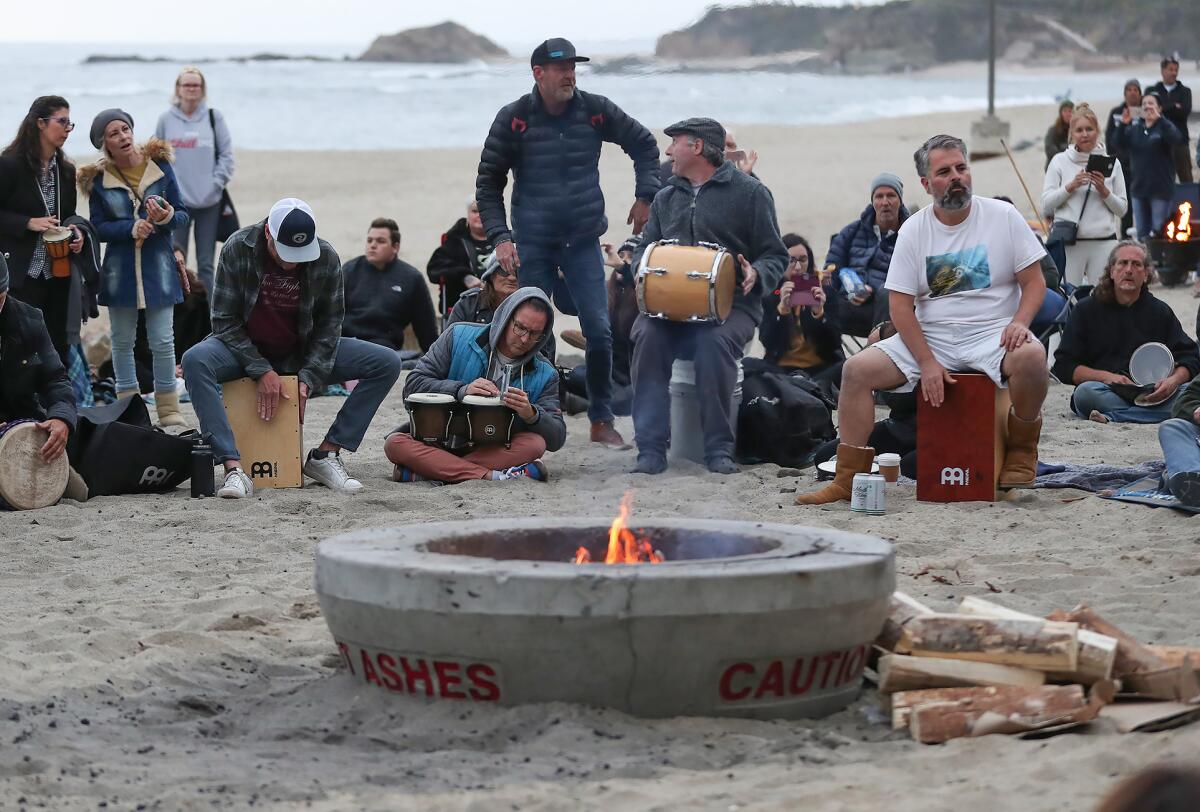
point(277, 308)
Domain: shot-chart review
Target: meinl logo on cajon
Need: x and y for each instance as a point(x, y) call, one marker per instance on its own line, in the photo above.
point(956, 476)
point(263, 469)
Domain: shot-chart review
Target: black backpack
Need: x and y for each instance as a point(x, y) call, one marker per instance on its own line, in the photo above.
point(783, 418)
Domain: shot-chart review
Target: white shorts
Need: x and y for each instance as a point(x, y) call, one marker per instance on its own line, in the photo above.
point(957, 347)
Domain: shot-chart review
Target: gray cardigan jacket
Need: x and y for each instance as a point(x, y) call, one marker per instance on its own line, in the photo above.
point(733, 210)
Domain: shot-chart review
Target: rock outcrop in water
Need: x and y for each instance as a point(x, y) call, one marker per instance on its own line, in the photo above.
point(914, 34)
point(445, 42)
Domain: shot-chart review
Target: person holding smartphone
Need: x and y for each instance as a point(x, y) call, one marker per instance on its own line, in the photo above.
point(1151, 143)
point(1085, 186)
point(800, 330)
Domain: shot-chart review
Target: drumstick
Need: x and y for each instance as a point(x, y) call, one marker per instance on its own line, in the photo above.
point(1036, 212)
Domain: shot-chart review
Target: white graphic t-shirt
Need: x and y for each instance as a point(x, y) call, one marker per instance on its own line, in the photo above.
point(964, 274)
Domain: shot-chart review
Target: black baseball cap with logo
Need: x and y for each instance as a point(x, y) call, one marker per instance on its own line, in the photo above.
point(555, 49)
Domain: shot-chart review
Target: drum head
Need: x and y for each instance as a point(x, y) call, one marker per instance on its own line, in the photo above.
point(26, 482)
point(726, 268)
point(830, 466)
point(483, 400)
point(1150, 363)
point(429, 397)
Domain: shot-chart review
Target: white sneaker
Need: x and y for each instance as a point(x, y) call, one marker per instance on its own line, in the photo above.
point(237, 485)
point(331, 472)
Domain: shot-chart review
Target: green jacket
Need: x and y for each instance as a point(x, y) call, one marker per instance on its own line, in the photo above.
point(319, 321)
point(1189, 401)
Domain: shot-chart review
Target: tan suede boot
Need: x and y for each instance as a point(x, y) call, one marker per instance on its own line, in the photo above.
point(167, 406)
point(1020, 453)
point(128, 393)
point(851, 460)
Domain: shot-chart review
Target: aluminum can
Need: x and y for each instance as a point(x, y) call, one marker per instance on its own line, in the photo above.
point(867, 494)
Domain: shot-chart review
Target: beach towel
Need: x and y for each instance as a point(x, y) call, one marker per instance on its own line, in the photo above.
point(1147, 491)
point(1094, 478)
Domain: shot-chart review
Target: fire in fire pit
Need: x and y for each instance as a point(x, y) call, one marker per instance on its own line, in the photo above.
point(1179, 229)
point(624, 546)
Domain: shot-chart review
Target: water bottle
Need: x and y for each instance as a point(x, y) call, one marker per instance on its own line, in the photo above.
point(203, 482)
point(851, 282)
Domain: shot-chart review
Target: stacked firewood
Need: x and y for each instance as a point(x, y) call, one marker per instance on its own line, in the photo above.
point(988, 669)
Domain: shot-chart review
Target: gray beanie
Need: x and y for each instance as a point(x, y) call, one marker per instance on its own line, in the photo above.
point(103, 119)
point(3, 273)
point(888, 179)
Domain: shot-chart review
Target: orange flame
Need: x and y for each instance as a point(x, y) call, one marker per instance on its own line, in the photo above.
point(624, 546)
point(1180, 229)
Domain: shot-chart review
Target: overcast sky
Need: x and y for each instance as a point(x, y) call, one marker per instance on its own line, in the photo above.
point(351, 22)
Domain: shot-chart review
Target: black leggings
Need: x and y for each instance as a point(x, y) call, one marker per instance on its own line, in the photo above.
point(52, 297)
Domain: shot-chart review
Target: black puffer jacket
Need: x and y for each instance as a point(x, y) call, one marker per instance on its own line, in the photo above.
point(555, 165)
point(34, 383)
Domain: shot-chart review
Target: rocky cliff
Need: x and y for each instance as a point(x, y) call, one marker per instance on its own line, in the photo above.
point(446, 42)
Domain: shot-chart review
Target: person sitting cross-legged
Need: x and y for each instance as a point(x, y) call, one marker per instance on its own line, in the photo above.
point(1102, 334)
point(471, 359)
point(277, 309)
point(965, 284)
point(1180, 441)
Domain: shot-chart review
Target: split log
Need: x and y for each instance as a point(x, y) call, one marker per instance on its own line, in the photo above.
point(998, 710)
point(1097, 652)
point(904, 702)
point(1043, 645)
point(1175, 655)
point(898, 672)
point(1132, 655)
point(903, 609)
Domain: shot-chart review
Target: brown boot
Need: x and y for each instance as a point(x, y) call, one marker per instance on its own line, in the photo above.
point(167, 406)
point(604, 434)
point(1020, 453)
point(575, 339)
point(851, 460)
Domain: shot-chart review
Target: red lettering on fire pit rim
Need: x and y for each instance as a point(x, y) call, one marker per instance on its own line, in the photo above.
point(441, 678)
point(779, 679)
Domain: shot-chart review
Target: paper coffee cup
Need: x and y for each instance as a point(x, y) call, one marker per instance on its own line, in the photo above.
point(889, 466)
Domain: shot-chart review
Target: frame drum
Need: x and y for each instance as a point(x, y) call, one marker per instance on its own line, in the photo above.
point(687, 283)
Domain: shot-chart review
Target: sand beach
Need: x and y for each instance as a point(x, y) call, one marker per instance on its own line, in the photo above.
point(167, 653)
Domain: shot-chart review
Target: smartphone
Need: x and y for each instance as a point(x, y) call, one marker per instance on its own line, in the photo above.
point(735, 155)
point(1103, 164)
point(802, 293)
point(505, 379)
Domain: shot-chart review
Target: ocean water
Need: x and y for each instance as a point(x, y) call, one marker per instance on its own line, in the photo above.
point(343, 105)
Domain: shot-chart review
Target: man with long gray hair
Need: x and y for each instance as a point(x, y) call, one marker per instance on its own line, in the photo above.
point(965, 283)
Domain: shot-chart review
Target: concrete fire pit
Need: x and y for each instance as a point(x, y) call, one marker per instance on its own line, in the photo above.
point(742, 619)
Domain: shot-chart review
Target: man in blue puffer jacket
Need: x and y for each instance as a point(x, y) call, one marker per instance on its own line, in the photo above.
point(865, 246)
point(551, 142)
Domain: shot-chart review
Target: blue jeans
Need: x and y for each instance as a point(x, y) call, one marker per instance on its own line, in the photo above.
point(204, 221)
point(1180, 441)
point(1149, 214)
point(210, 362)
point(1093, 395)
point(160, 334)
point(583, 269)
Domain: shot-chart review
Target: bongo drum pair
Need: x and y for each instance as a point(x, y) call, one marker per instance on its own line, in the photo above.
point(439, 419)
point(27, 482)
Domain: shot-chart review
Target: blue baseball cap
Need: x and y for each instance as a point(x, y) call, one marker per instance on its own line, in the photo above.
point(294, 230)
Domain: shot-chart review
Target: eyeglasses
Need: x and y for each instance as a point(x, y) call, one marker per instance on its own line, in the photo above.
point(798, 260)
point(524, 332)
point(63, 121)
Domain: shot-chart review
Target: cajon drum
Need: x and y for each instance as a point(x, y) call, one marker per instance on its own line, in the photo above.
point(270, 449)
point(960, 444)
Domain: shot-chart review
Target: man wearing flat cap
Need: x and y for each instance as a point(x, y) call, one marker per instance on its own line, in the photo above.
point(706, 200)
point(865, 247)
point(550, 140)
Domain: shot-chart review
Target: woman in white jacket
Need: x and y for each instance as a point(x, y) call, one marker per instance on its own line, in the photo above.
point(1096, 203)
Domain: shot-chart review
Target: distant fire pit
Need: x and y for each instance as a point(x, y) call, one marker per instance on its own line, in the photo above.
point(740, 619)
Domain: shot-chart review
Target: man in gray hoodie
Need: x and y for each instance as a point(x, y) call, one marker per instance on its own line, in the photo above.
point(707, 200)
point(479, 359)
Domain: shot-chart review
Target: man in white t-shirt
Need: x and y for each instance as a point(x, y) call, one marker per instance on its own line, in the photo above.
point(965, 283)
